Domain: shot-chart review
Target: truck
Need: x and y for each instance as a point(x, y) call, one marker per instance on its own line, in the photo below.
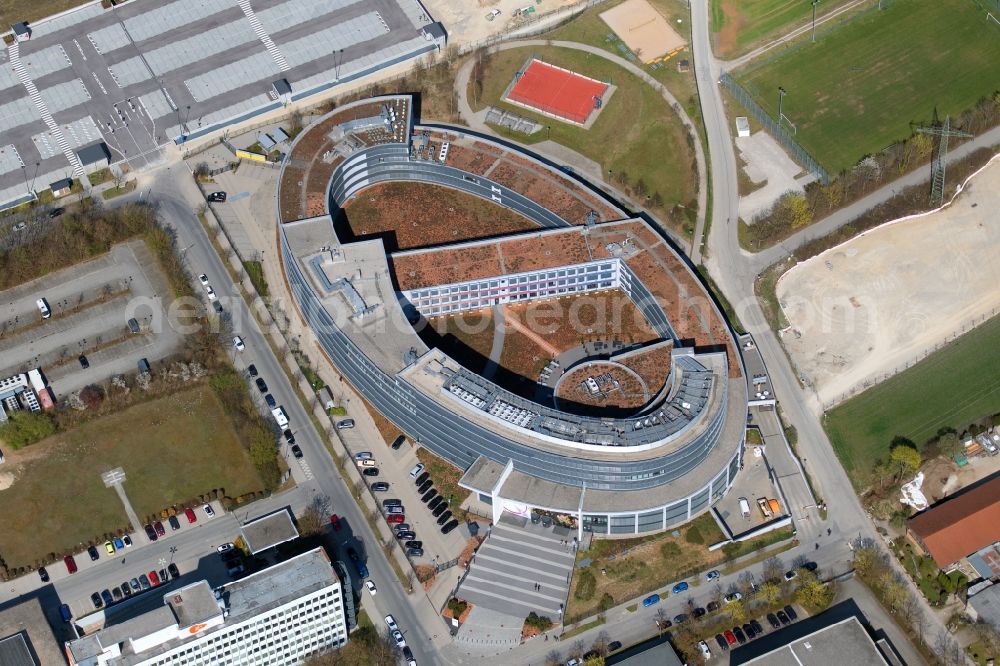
point(279, 415)
point(493, 14)
point(745, 507)
point(765, 508)
point(43, 307)
point(775, 507)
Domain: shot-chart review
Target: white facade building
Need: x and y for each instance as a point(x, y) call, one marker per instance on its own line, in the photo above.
point(278, 617)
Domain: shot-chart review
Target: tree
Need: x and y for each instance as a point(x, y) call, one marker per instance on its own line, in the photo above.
point(813, 594)
point(906, 459)
point(601, 643)
point(894, 591)
point(769, 591)
point(553, 658)
point(773, 568)
point(24, 428)
point(737, 611)
point(661, 620)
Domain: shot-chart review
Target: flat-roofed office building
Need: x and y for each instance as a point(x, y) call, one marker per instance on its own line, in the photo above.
point(278, 616)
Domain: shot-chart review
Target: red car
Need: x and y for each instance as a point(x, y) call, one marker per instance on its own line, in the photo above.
point(730, 637)
point(395, 518)
point(158, 526)
point(154, 579)
point(70, 564)
point(189, 512)
point(335, 521)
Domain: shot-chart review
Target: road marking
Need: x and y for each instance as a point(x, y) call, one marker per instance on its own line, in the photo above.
point(99, 84)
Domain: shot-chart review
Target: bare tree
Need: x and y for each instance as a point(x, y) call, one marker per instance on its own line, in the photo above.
point(553, 658)
point(773, 568)
point(601, 643)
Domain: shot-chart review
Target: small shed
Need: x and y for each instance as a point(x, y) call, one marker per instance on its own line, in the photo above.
point(742, 126)
point(22, 32)
point(61, 188)
point(283, 90)
point(94, 156)
point(265, 141)
point(280, 135)
point(683, 65)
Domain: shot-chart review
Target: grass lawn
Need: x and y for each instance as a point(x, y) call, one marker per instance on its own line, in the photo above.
point(255, 271)
point(14, 11)
point(445, 477)
point(950, 388)
point(863, 86)
point(739, 25)
point(118, 191)
point(654, 151)
point(635, 567)
point(172, 449)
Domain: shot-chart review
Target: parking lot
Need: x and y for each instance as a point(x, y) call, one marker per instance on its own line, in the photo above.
point(139, 76)
point(753, 483)
point(91, 305)
point(394, 468)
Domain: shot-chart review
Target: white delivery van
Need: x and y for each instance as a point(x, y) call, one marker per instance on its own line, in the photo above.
point(280, 416)
point(43, 307)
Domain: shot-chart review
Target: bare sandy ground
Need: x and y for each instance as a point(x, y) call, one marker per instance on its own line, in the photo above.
point(870, 306)
point(466, 21)
point(643, 29)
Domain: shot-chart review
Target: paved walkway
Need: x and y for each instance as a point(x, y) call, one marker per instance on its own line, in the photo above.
point(521, 568)
point(488, 633)
point(137, 527)
point(499, 333)
point(476, 122)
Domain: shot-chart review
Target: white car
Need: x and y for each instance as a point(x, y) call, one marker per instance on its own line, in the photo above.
point(789, 575)
point(363, 455)
point(366, 462)
point(705, 652)
point(211, 293)
point(238, 343)
point(226, 547)
point(371, 587)
point(209, 511)
point(735, 596)
point(203, 279)
point(417, 470)
point(398, 637)
point(390, 622)
point(712, 575)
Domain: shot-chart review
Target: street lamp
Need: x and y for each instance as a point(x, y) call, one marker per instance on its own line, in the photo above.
point(814, 3)
point(781, 96)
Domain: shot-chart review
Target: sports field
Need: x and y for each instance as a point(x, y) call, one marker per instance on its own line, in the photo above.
point(556, 91)
point(950, 388)
point(740, 25)
point(863, 85)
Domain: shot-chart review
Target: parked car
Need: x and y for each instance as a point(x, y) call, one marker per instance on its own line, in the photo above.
point(680, 618)
point(110, 547)
point(297, 452)
point(790, 612)
point(289, 437)
point(261, 385)
point(84, 363)
point(398, 442)
point(444, 518)
point(810, 566)
point(210, 292)
point(614, 645)
point(335, 521)
point(150, 532)
point(134, 583)
point(209, 511)
point(722, 642)
point(154, 580)
point(127, 540)
point(452, 524)
point(366, 463)
point(392, 501)
point(174, 523)
point(117, 593)
point(126, 589)
point(406, 535)
point(402, 527)
point(119, 544)
point(56, 212)
point(790, 575)
point(390, 622)
point(705, 652)
point(735, 596)
point(757, 628)
point(238, 343)
point(106, 596)
point(425, 486)
point(216, 197)
point(698, 612)
point(418, 468)
point(190, 515)
point(739, 635)
point(271, 402)
point(158, 526)
point(749, 631)
point(428, 496)
point(679, 587)
point(370, 471)
point(372, 590)
point(92, 551)
point(65, 613)
point(423, 478)
point(439, 509)
point(651, 600)
point(395, 518)
point(225, 548)
point(252, 370)
point(394, 509)
point(346, 424)
point(435, 503)
point(144, 582)
point(415, 552)
point(414, 544)
point(712, 606)
point(43, 574)
point(712, 575)
point(95, 599)
point(730, 637)
point(380, 486)
point(772, 620)
point(783, 618)
point(217, 306)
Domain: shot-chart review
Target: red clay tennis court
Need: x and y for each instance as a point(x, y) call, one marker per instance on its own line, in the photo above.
point(556, 91)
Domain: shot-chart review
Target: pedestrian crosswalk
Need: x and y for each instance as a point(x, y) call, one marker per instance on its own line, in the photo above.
point(261, 33)
point(306, 469)
point(14, 51)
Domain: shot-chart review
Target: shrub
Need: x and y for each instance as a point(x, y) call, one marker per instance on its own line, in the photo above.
point(26, 428)
point(669, 549)
point(457, 607)
point(540, 622)
point(586, 585)
point(694, 535)
point(606, 602)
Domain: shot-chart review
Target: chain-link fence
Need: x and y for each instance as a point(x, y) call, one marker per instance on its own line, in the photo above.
point(798, 153)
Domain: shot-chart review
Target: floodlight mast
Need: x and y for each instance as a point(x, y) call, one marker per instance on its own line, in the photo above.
point(781, 96)
point(814, 3)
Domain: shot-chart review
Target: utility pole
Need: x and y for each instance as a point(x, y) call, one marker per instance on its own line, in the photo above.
point(814, 3)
